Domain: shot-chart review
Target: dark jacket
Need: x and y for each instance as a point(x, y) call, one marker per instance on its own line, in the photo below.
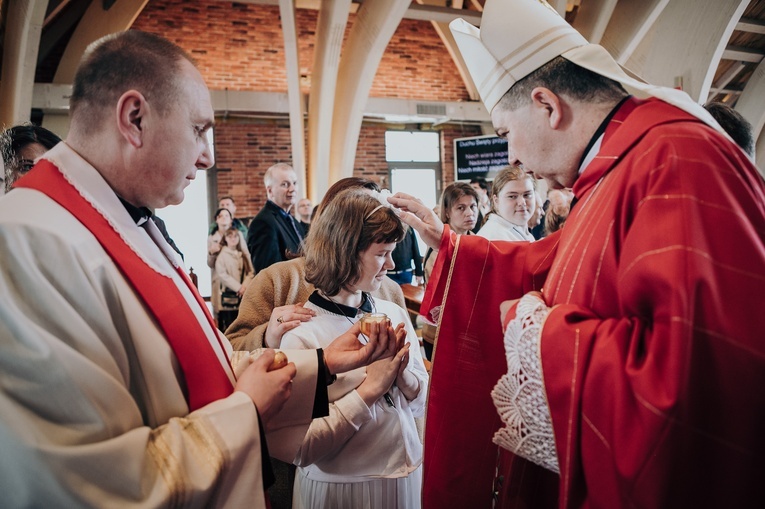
point(406, 252)
point(272, 237)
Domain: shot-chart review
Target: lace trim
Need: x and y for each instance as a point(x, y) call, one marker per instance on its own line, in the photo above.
point(519, 395)
point(435, 315)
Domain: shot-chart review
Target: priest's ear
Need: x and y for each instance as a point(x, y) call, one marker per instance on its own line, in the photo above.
point(132, 108)
point(549, 104)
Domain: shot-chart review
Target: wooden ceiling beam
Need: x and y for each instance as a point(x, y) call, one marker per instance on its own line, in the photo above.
point(23, 27)
point(751, 25)
point(420, 12)
point(96, 23)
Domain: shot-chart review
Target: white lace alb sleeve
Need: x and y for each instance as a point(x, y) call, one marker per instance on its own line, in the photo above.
point(520, 395)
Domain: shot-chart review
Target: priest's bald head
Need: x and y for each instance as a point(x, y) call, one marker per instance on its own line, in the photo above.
point(547, 89)
point(140, 113)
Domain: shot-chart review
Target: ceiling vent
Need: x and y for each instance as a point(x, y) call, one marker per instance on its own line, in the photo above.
point(437, 110)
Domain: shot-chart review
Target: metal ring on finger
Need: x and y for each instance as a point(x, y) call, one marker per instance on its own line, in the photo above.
point(280, 319)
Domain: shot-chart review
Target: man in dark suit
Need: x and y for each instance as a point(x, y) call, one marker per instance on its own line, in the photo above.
point(274, 235)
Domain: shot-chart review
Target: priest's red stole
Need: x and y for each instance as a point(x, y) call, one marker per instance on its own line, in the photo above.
point(206, 380)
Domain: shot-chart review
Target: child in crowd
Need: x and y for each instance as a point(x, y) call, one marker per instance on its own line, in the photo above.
point(234, 272)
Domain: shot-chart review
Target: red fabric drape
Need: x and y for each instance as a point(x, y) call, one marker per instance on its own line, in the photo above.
point(471, 277)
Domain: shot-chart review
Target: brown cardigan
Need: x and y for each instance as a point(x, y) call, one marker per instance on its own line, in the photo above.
point(278, 285)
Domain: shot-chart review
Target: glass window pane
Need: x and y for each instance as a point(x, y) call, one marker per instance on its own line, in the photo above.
point(187, 225)
point(417, 182)
point(412, 146)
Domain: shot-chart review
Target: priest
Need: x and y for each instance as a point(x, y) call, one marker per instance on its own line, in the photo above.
point(117, 389)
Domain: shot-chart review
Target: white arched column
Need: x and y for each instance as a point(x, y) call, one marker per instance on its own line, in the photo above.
point(593, 17)
point(294, 96)
point(23, 27)
point(330, 30)
point(629, 23)
point(375, 24)
point(686, 44)
point(442, 29)
point(752, 107)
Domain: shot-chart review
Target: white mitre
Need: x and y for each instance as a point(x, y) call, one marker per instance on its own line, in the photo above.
point(519, 36)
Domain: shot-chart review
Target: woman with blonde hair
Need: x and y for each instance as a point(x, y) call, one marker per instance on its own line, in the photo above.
point(513, 201)
point(367, 452)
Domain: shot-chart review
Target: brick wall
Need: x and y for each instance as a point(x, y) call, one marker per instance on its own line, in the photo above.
point(240, 47)
point(243, 151)
point(370, 154)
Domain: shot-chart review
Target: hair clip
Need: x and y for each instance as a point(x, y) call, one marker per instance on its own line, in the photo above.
point(382, 197)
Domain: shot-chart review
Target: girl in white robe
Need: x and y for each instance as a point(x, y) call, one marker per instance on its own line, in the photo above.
point(367, 452)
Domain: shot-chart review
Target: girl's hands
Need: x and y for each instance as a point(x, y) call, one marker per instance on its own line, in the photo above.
point(381, 375)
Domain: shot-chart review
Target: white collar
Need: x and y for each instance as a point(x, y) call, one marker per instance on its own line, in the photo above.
point(591, 154)
point(93, 187)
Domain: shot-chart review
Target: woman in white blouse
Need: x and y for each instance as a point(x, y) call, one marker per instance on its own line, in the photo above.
point(512, 203)
point(367, 452)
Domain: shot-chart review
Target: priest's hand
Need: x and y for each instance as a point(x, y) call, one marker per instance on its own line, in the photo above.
point(417, 215)
point(269, 390)
point(346, 352)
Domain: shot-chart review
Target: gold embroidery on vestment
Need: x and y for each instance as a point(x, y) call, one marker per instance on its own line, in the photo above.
point(600, 262)
point(558, 271)
point(706, 203)
point(571, 411)
point(199, 443)
point(595, 430)
point(692, 250)
point(722, 337)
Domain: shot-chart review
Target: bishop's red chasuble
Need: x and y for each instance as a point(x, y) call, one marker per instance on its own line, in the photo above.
point(653, 353)
point(470, 279)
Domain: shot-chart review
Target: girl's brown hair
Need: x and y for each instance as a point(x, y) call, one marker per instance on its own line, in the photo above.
point(346, 226)
point(451, 194)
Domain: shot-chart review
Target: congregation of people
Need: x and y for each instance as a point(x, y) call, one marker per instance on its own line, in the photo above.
point(588, 334)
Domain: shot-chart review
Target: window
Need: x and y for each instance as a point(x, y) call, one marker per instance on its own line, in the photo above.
point(414, 146)
point(414, 163)
point(187, 224)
